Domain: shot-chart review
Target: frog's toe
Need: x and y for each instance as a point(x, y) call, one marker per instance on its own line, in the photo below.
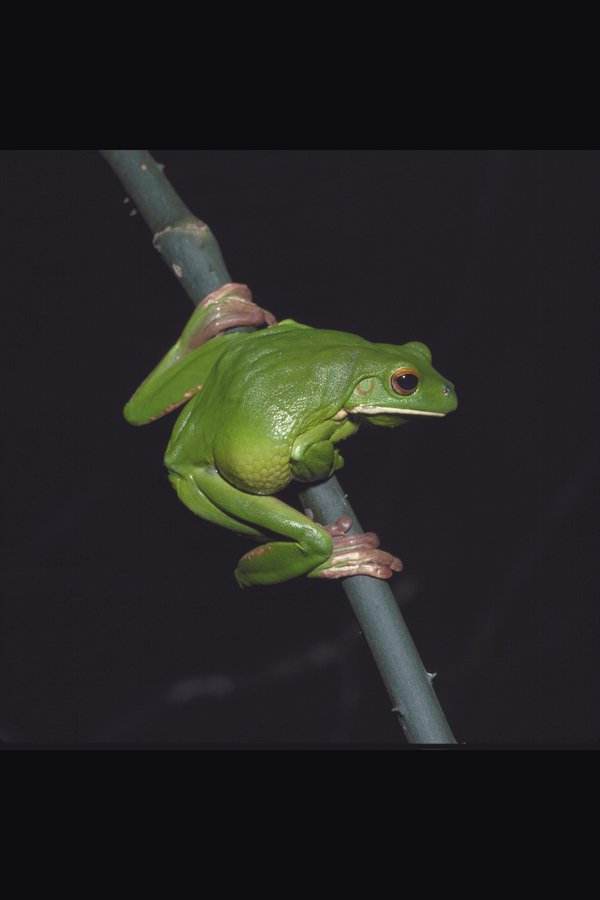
point(230, 306)
point(368, 539)
point(339, 527)
point(359, 560)
point(354, 554)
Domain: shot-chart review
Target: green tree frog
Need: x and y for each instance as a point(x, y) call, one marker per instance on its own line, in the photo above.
point(271, 405)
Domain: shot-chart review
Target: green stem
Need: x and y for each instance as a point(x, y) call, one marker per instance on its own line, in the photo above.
point(185, 242)
point(407, 682)
point(190, 249)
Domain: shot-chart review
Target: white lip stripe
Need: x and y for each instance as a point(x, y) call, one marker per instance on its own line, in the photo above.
point(373, 410)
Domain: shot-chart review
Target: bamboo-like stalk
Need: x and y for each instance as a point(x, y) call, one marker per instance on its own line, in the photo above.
point(191, 251)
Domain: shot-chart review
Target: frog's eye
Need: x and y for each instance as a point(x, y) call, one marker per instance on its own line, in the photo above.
point(405, 381)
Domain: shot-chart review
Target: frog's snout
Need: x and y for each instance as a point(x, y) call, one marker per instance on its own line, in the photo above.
point(450, 398)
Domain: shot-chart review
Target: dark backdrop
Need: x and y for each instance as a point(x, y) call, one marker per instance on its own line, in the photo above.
point(121, 620)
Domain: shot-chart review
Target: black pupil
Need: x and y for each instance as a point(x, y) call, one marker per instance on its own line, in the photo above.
point(407, 381)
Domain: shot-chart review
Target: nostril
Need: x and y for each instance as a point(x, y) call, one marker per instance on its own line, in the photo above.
point(447, 389)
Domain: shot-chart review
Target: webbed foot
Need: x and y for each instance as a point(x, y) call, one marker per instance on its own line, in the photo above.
point(231, 306)
point(355, 554)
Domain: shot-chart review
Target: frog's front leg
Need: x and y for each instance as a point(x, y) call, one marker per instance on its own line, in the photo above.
point(316, 462)
point(314, 455)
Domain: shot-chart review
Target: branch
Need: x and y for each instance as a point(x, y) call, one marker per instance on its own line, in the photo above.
point(185, 242)
point(386, 632)
point(188, 246)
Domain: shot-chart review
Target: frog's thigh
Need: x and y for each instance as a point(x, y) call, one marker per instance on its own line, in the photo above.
point(308, 544)
point(190, 494)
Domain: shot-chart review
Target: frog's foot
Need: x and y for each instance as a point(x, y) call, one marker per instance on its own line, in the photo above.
point(359, 559)
point(355, 554)
point(231, 306)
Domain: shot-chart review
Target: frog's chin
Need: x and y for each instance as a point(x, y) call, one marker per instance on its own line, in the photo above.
point(387, 416)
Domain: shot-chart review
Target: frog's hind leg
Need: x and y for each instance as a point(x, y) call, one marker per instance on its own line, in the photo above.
point(305, 544)
point(190, 494)
point(182, 372)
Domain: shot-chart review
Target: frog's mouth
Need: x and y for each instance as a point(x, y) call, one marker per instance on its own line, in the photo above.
point(366, 410)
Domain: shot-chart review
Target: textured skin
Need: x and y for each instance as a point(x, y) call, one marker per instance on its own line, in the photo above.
point(272, 405)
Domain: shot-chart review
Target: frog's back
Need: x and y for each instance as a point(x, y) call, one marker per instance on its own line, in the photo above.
point(289, 375)
point(260, 395)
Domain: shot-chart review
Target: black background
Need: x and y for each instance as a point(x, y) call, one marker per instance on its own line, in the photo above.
point(121, 620)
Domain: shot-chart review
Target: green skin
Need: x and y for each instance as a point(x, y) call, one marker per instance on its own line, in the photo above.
point(268, 407)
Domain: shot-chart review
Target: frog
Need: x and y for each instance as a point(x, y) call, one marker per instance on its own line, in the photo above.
point(266, 403)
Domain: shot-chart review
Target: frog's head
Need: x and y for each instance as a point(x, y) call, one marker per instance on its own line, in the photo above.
point(402, 386)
